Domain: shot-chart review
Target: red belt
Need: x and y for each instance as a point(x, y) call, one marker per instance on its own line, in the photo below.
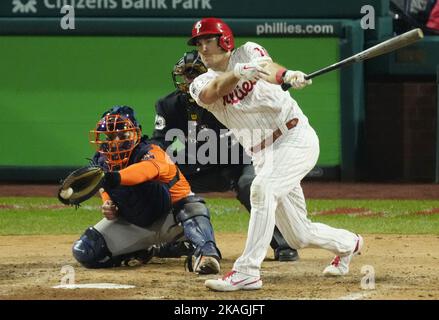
point(276, 134)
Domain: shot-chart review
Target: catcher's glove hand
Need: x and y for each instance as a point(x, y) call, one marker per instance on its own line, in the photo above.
point(81, 185)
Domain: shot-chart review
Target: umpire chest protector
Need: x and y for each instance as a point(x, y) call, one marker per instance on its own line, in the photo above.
point(144, 203)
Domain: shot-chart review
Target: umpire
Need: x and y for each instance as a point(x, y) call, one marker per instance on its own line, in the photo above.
point(179, 112)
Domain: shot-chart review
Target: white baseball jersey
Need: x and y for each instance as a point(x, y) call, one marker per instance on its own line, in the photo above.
point(254, 109)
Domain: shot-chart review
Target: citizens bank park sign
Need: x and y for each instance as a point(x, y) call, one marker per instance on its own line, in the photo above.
point(146, 8)
point(165, 8)
point(286, 9)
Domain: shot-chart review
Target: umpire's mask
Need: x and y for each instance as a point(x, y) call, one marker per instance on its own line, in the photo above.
point(187, 69)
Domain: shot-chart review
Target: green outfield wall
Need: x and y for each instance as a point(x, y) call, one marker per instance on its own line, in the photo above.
point(53, 90)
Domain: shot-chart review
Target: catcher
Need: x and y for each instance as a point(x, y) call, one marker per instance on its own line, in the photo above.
point(147, 202)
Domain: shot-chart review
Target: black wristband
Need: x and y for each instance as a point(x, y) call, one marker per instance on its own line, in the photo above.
point(112, 180)
point(283, 74)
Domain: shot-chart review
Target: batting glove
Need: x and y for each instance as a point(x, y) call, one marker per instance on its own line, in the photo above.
point(249, 71)
point(296, 79)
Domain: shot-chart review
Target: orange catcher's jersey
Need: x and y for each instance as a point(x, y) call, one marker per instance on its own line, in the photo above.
point(155, 166)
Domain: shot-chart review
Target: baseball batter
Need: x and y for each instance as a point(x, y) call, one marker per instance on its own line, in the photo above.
point(177, 110)
point(242, 89)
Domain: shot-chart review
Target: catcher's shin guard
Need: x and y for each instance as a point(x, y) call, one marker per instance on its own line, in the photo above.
point(200, 232)
point(92, 252)
point(195, 219)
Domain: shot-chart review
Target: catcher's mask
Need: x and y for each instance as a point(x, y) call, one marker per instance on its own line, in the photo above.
point(116, 136)
point(187, 69)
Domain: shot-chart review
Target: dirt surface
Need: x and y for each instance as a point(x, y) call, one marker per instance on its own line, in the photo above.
point(312, 190)
point(406, 267)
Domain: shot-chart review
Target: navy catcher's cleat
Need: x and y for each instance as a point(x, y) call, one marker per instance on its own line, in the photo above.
point(206, 265)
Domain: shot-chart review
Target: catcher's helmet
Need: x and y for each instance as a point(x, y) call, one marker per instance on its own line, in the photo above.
point(125, 111)
point(187, 69)
point(213, 26)
point(116, 135)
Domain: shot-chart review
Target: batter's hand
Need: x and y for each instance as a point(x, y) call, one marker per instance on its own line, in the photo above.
point(296, 79)
point(250, 71)
point(109, 209)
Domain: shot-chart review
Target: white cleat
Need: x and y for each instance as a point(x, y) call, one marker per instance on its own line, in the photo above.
point(234, 281)
point(340, 265)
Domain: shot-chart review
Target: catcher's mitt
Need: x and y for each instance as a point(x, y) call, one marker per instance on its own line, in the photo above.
point(81, 185)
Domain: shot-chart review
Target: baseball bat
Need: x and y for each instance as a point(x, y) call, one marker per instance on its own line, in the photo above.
point(387, 46)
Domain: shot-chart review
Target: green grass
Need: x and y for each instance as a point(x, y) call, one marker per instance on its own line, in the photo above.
point(32, 218)
point(46, 216)
point(398, 216)
point(388, 207)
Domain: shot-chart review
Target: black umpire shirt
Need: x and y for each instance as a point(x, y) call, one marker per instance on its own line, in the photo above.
point(179, 111)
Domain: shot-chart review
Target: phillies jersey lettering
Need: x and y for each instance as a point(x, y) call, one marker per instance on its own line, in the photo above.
point(239, 93)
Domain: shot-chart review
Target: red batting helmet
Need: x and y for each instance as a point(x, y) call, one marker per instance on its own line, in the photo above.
point(213, 26)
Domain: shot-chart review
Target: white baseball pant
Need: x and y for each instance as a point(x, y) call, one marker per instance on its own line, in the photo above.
point(277, 198)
